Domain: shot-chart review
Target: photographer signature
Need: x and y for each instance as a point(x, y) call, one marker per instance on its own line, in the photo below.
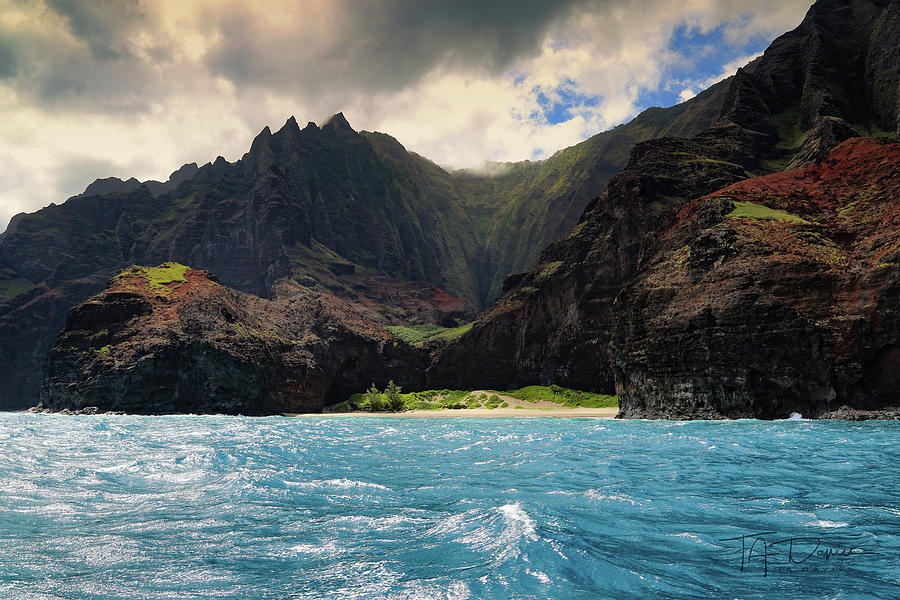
point(814, 552)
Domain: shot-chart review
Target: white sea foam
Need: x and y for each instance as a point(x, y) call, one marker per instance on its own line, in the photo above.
point(345, 484)
point(596, 495)
point(826, 524)
point(518, 519)
point(458, 591)
point(329, 548)
point(539, 575)
point(500, 532)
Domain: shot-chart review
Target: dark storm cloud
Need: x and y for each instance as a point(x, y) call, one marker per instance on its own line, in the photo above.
point(85, 55)
point(123, 57)
point(103, 24)
point(8, 61)
point(373, 46)
point(73, 175)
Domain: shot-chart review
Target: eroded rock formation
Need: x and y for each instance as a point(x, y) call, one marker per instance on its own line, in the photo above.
point(172, 339)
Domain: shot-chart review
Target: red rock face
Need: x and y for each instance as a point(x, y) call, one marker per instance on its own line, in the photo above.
point(150, 344)
point(773, 312)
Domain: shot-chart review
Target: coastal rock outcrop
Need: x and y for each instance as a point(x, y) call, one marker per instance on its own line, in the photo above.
point(171, 339)
point(777, 294)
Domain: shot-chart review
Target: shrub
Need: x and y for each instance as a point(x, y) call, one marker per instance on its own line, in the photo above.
point(392, 391)
point(373, 397)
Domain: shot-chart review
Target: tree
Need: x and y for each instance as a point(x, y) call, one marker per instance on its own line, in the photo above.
point(392, 391)
point(374, 398)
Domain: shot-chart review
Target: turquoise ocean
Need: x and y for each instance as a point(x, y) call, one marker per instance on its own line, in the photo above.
point(103, 507)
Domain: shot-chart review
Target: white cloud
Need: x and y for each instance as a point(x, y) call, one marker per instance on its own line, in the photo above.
point(728, 70)
point(140, 93)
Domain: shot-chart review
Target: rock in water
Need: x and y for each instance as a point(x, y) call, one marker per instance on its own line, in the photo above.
point(172, 339)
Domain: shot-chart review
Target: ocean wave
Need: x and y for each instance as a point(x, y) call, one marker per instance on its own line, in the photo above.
point(341, 483)
point(137, 507)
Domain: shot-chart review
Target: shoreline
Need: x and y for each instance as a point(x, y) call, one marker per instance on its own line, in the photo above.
point(479, 413)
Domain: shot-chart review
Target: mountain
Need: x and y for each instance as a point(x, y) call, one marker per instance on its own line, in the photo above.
point(527, 206)
point(349, 213)
point(327, 208)
point(834, 76)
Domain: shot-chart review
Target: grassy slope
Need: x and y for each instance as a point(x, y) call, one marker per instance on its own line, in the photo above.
point(750, 210)
point(490, 399)
point(419, 334)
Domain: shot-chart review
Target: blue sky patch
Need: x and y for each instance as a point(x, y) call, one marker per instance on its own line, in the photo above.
point(702, 55)
point(560, 104)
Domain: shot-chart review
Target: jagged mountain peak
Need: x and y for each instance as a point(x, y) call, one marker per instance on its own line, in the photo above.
point(338, 123)
point(110, 185)
point(261, 141)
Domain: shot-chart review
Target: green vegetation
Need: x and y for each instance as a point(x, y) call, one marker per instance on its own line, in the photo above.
point(775, 165)
point(392, 399)
point(453, 333)
point(548, 269)
point(790, 133)
point(682, 255)
point(373, 398)
point(418, 334)
point(565, 396)
point(104, 349)
point(873, 130)
point(845, 211)
point(10, 288)
point(392, 394)
point(415, 334)
point(750, 210)
point(164, 274)
point(157, 278)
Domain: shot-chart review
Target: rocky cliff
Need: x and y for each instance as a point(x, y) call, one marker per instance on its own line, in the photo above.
point(831, 78)
point(324, 208)
point(552, 324)
point(777, 294)
point(171, 339)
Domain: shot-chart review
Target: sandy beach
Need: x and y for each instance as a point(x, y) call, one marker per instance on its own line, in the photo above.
point(480, 413)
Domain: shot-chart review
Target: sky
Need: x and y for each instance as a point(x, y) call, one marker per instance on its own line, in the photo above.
point(133, 88)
